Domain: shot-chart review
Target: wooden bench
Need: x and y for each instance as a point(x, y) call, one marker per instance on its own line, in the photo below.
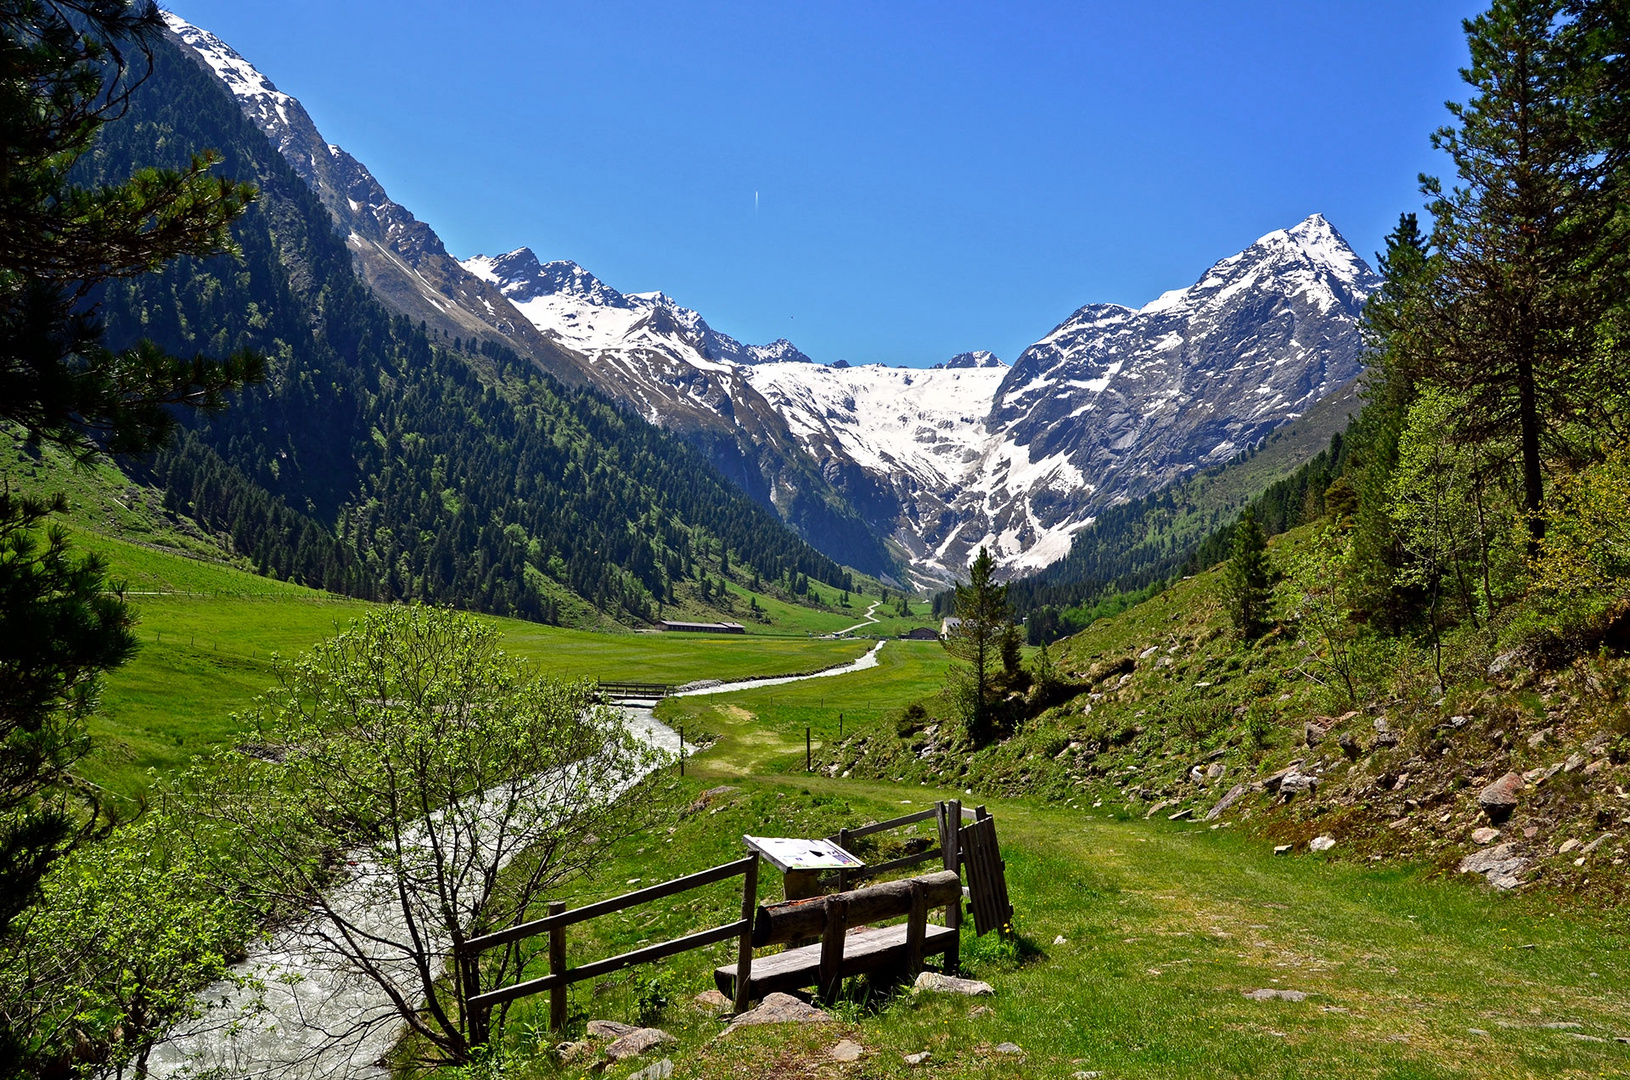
point(842, 952)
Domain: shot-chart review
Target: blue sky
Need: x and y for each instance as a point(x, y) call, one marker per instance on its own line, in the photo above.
point(878, 182)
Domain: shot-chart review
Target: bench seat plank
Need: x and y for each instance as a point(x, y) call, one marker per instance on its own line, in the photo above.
point(864, 951)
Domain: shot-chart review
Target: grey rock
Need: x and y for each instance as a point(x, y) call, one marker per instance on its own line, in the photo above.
point(1499, 799)
point(712, 1001)
point(1487, 834)
point(1591, 847)
point(1561, 1025)
point(1187, 811)
point(1321, 843)
point(1008, 1048)
point(637, 1042)
point(1282, 849)
point(1233, 796)
point(847, 1050)
point(610, 1029)
point(1271, 994)
point(1500, 864)
point(779, 1009)
point(1297, 782)
point(1574, 761)
point(1158, 807)
point(1567, 847)
point(661, 1070)
point(1215, 771)
point(918, 1058)
point(950, 984)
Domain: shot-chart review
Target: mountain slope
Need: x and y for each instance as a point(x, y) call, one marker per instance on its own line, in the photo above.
point(409, 269)
point(876, 466)
point(1113, 404)
point(377, 462)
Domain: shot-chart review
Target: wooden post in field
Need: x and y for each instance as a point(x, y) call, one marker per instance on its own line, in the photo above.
point(950, 845)
point(557, 966)
point(843, 874)
point(681, 749)
point(808, 760)
point(916, 927)
point(744, 949)
point(837, 925)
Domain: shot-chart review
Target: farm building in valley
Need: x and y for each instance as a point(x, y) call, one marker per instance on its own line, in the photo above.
point(702, 627)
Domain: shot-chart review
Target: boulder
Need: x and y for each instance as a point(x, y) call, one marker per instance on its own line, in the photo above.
point(847, 1050)
point(1226, 801)
point(950, 984)
point(1271, 994)
point(1321, 843)
point(779, 1009)
point(1500, 864)
point(610, 1029)
point(1499, 799)
point(662, 1070)
point(637, 1042)
point(1485, 835)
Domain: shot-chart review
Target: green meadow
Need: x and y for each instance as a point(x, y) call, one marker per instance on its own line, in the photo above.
point(1137, 941)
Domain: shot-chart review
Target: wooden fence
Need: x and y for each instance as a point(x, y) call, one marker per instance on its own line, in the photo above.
point(554, 924)
point(972, 846)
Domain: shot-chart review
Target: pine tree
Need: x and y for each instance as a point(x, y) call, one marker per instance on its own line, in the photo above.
point(1520, 293)
point(977, 639)
point(70, 68)
point(1245, 578)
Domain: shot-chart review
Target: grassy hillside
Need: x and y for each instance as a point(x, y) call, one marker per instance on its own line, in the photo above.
point(209, 633)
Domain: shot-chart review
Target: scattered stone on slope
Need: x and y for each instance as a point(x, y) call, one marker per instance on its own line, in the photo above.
point(779, 1009)
point(918, 1058)
point(1499, 799)
point(660, 1070)
point(1269, 993)
point(1486, 834)
point(950, 984)
point(1501, 865)
point(610, 1029)
point(637, 1042)
point(1281, 849)
point(712, 1001)
point(847, 1050)
point(1233, 796)
point(1008, 1048)
point(1321, 843)
point(1187, 811)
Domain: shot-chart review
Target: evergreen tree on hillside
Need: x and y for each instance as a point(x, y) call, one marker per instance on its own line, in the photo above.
point(1246, 578)
point(1521, 287)
point(69, 69)
point(980, 638)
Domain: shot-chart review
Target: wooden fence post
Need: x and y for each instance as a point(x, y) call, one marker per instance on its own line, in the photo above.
point(951, 845)
point(843, 873)
point(681, 749)
point(916, 927)
point(837, 925)
point(808, 766)
point(557, 967)
point(744, 949)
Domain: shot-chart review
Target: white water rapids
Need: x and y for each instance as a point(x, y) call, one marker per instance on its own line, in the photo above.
point(315, 1017)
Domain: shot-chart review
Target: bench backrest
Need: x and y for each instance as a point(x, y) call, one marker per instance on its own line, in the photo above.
point(795, 920)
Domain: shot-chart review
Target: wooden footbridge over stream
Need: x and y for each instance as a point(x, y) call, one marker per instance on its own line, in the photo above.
point(829, 935)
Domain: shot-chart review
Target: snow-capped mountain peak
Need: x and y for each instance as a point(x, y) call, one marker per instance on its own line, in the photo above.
point(240, 76)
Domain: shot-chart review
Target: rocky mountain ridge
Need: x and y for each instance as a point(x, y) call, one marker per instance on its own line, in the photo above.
point(886, 467)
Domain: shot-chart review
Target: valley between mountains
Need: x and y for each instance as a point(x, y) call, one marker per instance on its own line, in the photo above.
point(895, 471)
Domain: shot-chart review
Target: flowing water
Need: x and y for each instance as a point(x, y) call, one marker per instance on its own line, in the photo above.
point(313, 1015)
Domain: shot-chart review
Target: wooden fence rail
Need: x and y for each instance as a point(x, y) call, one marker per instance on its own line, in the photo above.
point(561, 977)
